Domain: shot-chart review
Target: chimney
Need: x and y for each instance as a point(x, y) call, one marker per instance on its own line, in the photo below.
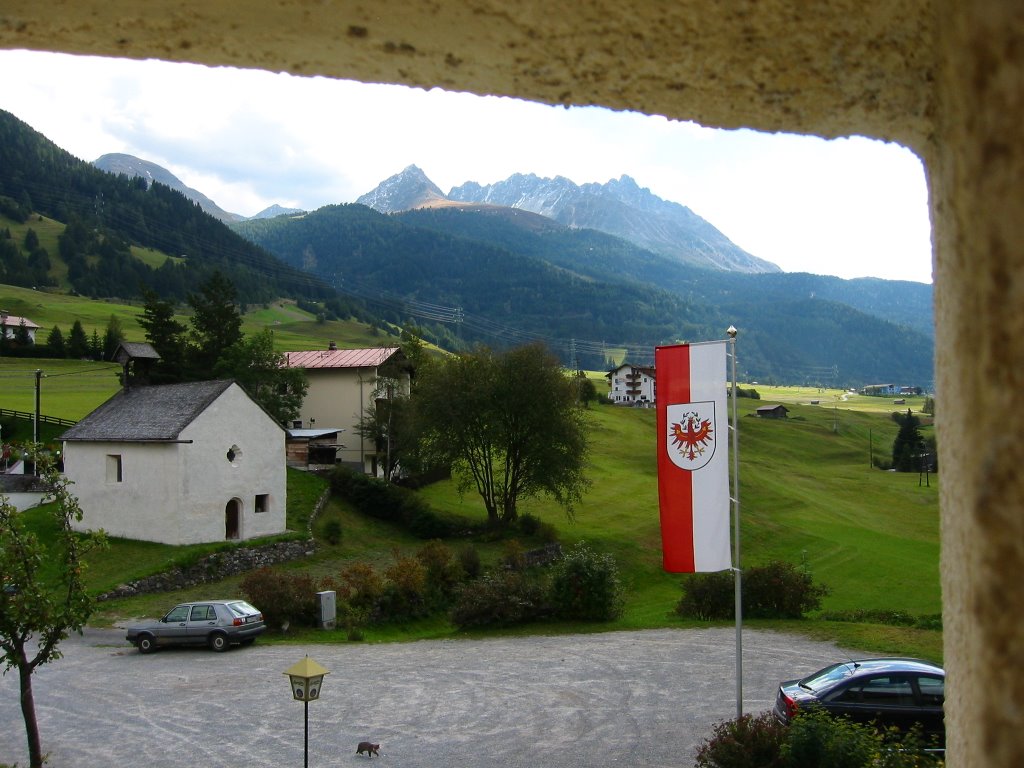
point(332, 347)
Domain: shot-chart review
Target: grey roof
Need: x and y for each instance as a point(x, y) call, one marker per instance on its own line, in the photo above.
point(148, 413)
point(136, 350)
point(313, 433)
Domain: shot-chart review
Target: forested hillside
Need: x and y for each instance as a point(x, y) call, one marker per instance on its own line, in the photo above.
point(500, 276)
point(107, 214)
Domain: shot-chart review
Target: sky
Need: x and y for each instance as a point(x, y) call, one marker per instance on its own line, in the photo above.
point(248, 139)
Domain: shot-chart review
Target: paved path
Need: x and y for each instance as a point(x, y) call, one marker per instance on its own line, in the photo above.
point(583, 701)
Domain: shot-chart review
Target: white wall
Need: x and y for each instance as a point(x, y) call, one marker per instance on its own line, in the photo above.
point(177, 493)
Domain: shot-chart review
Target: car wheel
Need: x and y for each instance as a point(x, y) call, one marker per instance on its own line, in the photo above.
point(146, 644)
point(219, 642)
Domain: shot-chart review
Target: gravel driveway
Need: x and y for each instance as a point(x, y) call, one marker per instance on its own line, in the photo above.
point(621, 698)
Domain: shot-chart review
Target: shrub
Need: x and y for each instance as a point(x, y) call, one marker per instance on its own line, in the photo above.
point(816, 740)
point(332, 531)
point(499, 599)
point(386, 501)
point(708, 596)
point(777, 590)
point(443, 571)
point(469, 559)
point(585, 586)
point(282, 598)
point(780, 590)
point(744, 742)
point(362, 586)
point(404, 589)
point(514, 556)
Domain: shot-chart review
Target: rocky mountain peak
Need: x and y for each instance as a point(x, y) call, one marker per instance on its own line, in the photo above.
point(402, 192)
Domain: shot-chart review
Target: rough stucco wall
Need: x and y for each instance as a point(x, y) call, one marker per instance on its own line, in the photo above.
point(977, 180)
point(829, 68)
point(944, 77)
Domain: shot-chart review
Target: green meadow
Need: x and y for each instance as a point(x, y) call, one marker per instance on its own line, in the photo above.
point(808, 494)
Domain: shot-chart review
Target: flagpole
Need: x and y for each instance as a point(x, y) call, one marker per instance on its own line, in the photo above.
point(736, 529)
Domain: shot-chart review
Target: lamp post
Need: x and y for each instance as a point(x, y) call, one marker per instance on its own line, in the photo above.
point(306, 678)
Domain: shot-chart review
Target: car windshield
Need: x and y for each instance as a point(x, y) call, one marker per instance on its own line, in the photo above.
point(827, 676)
point(241, 608)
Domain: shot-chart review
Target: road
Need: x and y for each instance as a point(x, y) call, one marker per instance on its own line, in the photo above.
point(583, 701)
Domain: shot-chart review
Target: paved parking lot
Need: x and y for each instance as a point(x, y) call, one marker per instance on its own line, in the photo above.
point(622, 698)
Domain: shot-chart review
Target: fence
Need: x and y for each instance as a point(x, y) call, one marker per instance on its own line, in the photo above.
point(8, 413)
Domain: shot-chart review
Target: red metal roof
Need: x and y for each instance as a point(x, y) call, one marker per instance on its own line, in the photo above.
point(340, 358)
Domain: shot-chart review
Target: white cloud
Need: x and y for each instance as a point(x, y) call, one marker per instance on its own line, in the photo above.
point(248, 139)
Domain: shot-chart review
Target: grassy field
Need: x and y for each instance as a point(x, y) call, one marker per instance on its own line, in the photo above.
point(72, 388)
point(807, 493)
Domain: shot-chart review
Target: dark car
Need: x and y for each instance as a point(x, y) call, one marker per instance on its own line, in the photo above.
point(216, 623)
point(884, 692)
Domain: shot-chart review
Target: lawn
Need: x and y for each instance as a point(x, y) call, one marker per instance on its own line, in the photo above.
point(808, 496)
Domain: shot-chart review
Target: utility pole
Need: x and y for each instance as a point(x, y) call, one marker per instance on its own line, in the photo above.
point(35, 421)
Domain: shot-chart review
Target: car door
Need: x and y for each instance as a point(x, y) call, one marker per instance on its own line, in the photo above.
point(885, 699)
point(173, 627)
point(932, 696)
point(202, 619)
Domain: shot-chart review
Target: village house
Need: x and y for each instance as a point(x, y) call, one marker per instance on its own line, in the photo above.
point(9, 325)
point(343, 383)
point(179, 464)
point(632, 385)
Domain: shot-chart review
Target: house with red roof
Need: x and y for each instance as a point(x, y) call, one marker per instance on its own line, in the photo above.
point(343, 384)
point(9, 325)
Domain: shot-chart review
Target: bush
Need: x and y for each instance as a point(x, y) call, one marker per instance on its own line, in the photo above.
point(745, 742)
point(404, 595)
point(444, 572)
point(585, 586)
point(816, 740)
point(812, 740)
point(469, 559)
point(499, 599)
point(780, 590)
point(282, 598)
point(777, 590)
point(708, 596)
point(385, 501)
point(332, 531)
point(362, 587)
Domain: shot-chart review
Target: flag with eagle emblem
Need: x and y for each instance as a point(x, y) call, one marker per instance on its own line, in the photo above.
point(693, 457)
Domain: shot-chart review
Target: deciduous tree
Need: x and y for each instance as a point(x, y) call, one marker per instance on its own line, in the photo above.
point(508, 425)
point(42, 590)
point(262, 372)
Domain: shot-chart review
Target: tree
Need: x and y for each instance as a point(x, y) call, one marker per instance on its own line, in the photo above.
point(388, 422)
point(78, 342)
point(216, 322)
point(166, 335)
point(262, 372)
point(908, 445)
point(113, 336)
point(43, 595)
point(21, 335)
point(507, 424)
point(55, 342)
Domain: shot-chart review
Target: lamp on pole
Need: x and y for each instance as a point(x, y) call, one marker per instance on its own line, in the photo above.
point(306, 678)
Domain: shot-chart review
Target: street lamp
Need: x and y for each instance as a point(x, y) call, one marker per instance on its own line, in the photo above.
point(306, 678)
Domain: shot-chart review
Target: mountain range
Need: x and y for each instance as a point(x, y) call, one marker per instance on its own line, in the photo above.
point(620, 208)
point(134, 167)
point(499, 264)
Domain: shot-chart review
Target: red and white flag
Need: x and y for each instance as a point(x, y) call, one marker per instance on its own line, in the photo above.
point(693, 457)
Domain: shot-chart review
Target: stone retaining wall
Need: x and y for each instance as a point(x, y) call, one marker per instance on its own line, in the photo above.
point(220, 565)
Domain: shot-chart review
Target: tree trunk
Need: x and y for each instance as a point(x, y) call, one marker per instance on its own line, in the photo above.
point(28, 711)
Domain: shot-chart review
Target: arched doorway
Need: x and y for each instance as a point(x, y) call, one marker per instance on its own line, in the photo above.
point(232, 519)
